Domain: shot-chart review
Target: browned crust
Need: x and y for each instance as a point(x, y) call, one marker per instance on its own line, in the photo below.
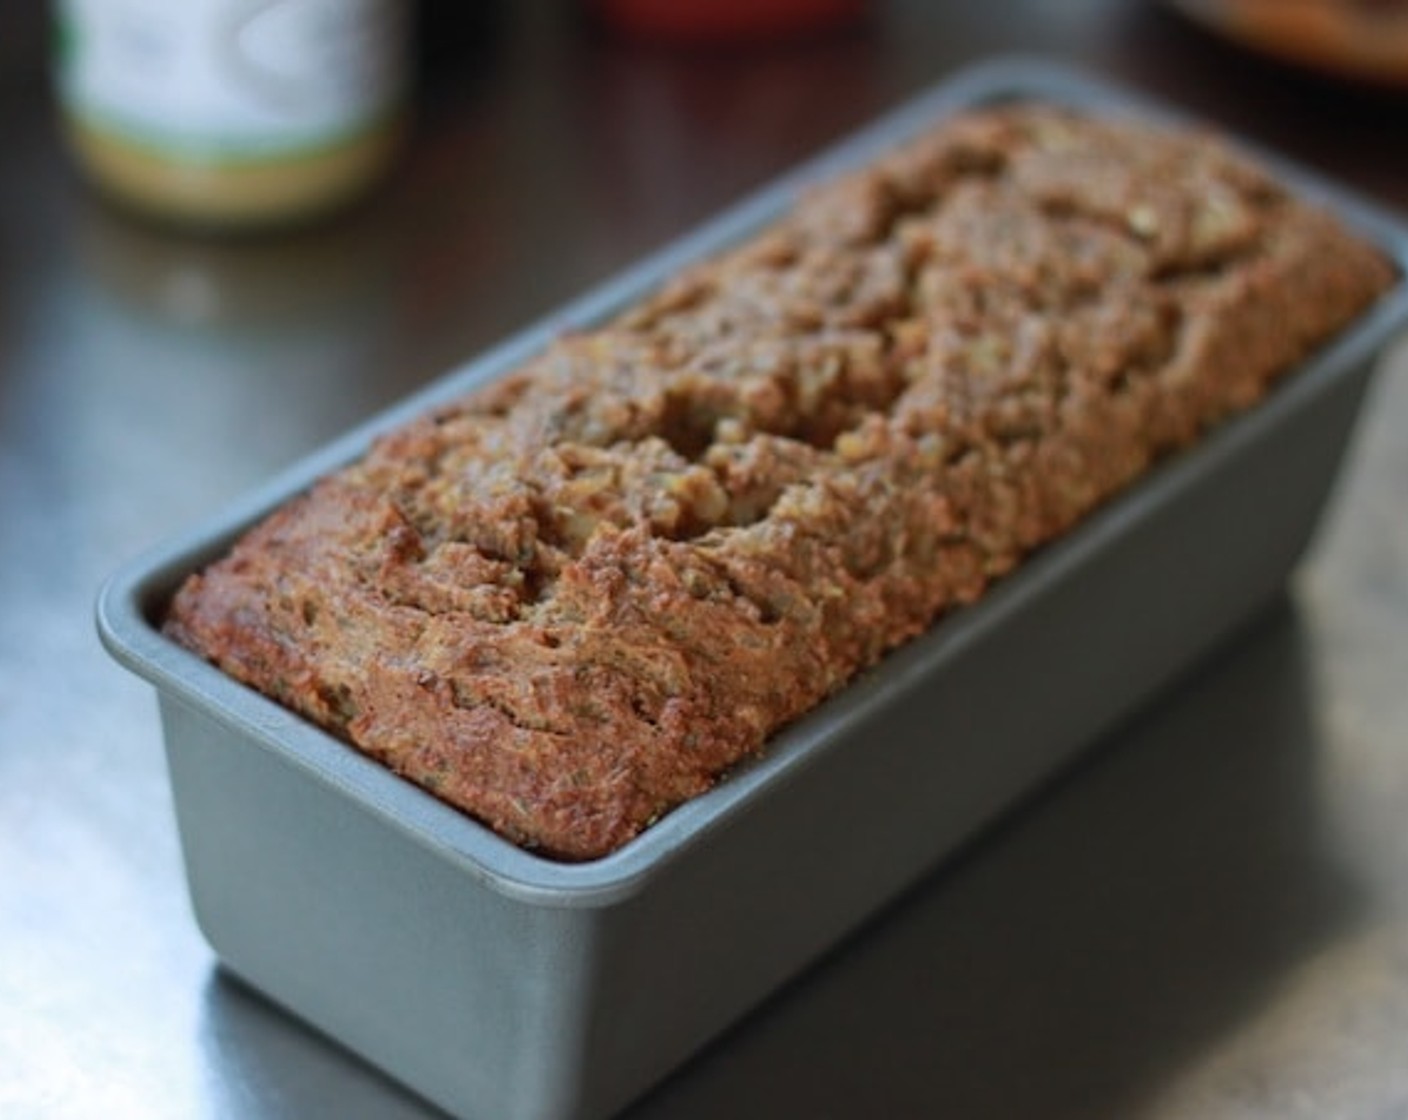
point(573, 600)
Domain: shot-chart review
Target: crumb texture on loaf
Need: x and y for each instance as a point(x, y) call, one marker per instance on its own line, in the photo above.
point(575, 598)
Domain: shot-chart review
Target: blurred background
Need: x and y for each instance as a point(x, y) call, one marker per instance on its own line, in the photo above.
point(1244, 952)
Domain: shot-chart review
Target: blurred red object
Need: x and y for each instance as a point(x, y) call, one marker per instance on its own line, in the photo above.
point(722, 22)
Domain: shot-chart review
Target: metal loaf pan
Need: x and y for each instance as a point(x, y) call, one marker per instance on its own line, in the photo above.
point(499, 984)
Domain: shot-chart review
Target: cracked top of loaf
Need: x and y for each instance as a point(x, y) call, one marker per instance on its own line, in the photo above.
point(577, 597)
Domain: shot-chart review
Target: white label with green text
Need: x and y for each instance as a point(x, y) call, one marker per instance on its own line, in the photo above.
point(231, 79)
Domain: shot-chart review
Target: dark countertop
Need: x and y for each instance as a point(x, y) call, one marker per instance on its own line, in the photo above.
point(1209, 917)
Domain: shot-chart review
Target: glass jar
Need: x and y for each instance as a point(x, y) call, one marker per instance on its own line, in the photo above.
point(232, 114)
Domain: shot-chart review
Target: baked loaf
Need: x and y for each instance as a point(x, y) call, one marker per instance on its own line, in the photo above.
point(576, 598)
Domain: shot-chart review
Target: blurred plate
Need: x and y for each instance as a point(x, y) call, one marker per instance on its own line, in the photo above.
point(1366, 40)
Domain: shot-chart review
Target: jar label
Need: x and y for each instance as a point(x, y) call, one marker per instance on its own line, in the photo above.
point(232, 79)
